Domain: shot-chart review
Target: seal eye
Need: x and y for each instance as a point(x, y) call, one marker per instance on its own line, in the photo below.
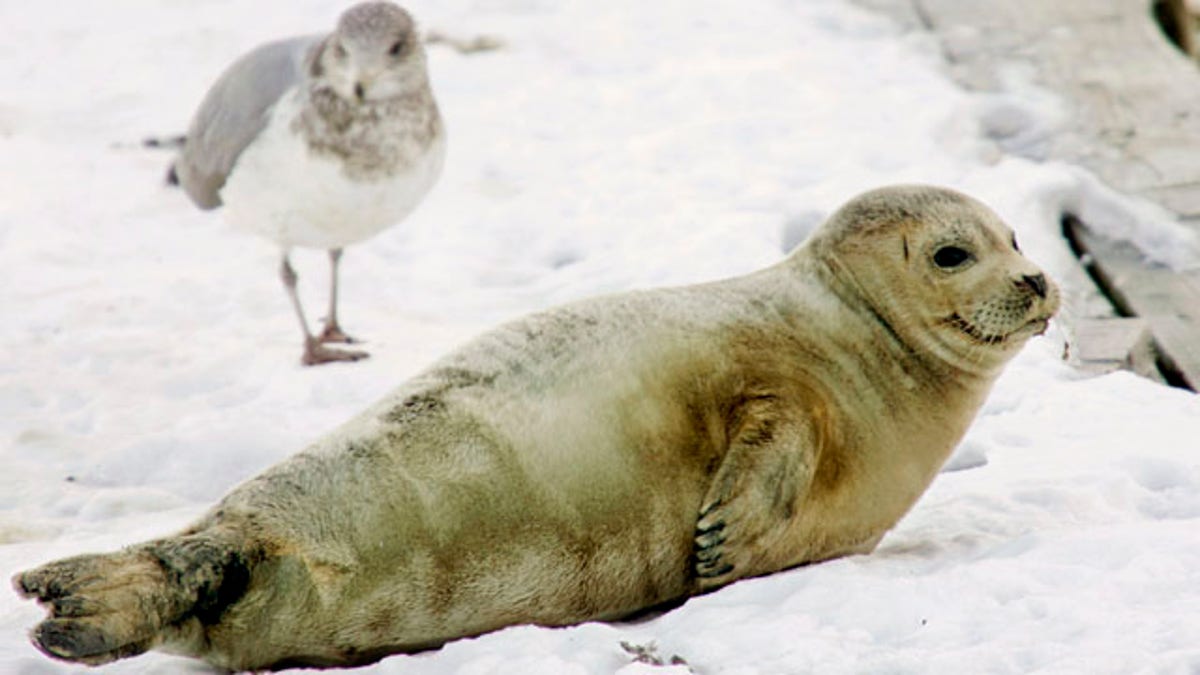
point(397, 47)
point(339, 51)
point(1014, 244)
point(949, 257)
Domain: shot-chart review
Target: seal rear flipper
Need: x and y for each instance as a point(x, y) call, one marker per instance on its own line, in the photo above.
point(754, 493)
point(110, 606)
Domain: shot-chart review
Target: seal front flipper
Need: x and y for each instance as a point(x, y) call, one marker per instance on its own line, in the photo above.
point(755, 492)
point(109, 606)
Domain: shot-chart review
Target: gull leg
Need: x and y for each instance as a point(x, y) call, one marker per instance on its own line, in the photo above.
point(333, 332)
point(315, 353)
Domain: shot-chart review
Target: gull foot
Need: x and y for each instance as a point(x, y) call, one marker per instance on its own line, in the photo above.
point(316, 353)
point(333, 333)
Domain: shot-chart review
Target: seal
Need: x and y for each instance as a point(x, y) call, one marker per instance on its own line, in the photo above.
point(595, 460)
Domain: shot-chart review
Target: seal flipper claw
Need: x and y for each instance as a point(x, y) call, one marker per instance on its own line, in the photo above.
point(711, 565)
point(711, 536)
point(713, 571)
point(72, 640)
point(707, 554)
point(74, 606)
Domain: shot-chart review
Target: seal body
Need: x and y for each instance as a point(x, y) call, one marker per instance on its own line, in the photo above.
point(596, 459)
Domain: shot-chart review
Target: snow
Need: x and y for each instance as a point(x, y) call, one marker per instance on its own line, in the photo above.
point(149, 361)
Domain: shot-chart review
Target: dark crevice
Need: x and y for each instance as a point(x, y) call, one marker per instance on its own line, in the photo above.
point(1170, 370)
point(1072, 227)
point(1172, 17)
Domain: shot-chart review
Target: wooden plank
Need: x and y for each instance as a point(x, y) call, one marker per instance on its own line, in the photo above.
point(1133, 98)
point(1182, 199)
point(1104, 345)
point(1180, 350)
point(1168, 301)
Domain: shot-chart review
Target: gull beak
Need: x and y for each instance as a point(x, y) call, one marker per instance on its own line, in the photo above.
point(364, 79)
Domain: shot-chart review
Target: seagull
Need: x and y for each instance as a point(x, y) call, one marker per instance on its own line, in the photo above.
point(319, 141)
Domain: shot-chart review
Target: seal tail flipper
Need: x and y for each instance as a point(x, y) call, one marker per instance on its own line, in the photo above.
point(102, 607)
point(110, 606)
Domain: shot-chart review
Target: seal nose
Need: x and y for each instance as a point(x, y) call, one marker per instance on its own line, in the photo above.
point(1035, 283)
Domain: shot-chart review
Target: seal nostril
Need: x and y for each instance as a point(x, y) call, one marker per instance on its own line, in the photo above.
point(359, 92)
point(1035, 283)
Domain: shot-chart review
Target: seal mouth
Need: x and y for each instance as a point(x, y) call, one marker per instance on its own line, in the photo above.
point(1038, 324)
point(972, 331)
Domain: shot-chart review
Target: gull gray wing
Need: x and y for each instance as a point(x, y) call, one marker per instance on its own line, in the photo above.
point(233, 113)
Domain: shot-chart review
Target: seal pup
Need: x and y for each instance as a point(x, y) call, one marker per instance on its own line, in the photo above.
point(319, 141)
point(594, 460)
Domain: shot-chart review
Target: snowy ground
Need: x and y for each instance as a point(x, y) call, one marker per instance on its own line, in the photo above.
point(148, 359)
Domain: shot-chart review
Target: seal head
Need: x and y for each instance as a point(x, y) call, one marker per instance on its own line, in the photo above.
point(940, 271)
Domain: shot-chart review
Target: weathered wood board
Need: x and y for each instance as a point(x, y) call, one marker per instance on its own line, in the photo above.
point(1132, 107)
point(1105, 345)
point(1167, 301)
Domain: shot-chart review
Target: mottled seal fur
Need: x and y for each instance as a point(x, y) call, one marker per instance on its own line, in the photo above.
point(597, 459)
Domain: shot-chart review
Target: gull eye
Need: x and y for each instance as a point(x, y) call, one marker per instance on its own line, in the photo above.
point(949, 257)
point(397, 47)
